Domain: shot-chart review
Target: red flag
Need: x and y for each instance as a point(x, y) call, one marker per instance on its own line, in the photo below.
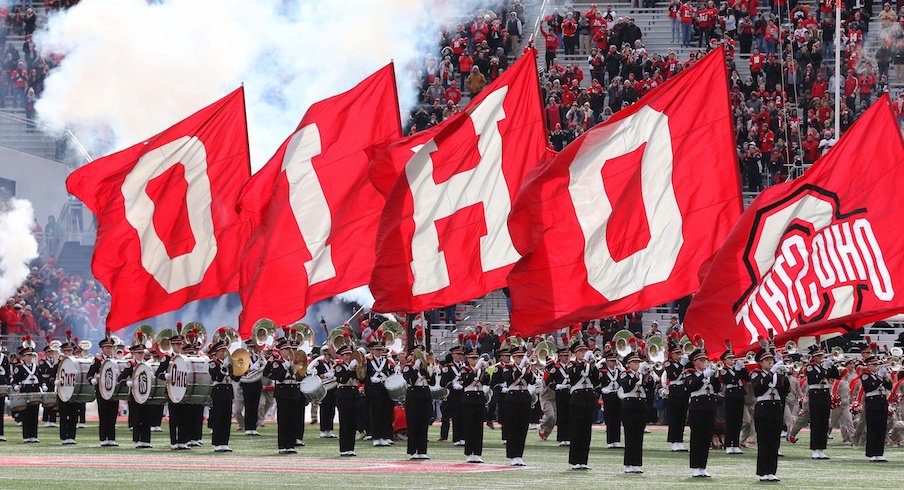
point(815, 255)
point(167, 227)
point(443, 236)
point(623, 217)
point(313, 206)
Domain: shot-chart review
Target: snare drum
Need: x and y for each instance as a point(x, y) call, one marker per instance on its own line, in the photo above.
point(313, 389)
point(4, 390)
point(190, 381)
point(108, 384)
point(439, 393)
point(49, 400)
point(146, 388)
point(21, 401)
point(396, 387)
point(74, 385)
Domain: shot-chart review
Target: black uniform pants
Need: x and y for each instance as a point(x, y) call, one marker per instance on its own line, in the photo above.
point(380, 412)
point(29, 419)
point(347, 404)
point(515, 421)
point(363, 422)
point(286, 420)
point(580, 424)
point(50, 415)
point(418, 411)
point(251, 394)
point(220, 417)
point(157, 415)
point(178, 415)
point(734, 418)
point(701, 422)
point(299, 413)
point(68, 420)
point(676, 411)
point(768, 438)
point(876, 413)
point(327, 411)
point(502, 407)
point(819, 424)
point(451, 409)
point(107, 411)
point(472, 416)
point(612, 415)
point(2, 404)
point(141, 420)
point(634, 418)
point(197, 422)
point(563, 432)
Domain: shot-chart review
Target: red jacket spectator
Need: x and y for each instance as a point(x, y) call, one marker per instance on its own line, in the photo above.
point(465, 62)
point(756, 62)
point(479, 31)
point(767, 141)
point(552, 41)
point(850, 85)
point(819, 89)
point(453, 95)
point(811, 149)
point(553, 116)
point(686, 14)
point(458, 45)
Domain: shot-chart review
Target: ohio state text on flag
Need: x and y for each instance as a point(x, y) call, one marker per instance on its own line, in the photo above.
point(314, 209)
point(443, 235)
point(622, 218)
point(167, 227)
point(820, 254)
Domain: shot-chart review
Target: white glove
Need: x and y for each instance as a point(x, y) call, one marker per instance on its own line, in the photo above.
point(129, 384)
point(739, 365)
point(778, 357)
point(480, 364)
point(708, 372)
point(16, 387)
point(504, 389)
point(561, 386)
point(684, 360)
point(353, 364)
point(417, 364)
point(457, 386)
point(777, 367)
point(644, 366)
point(56, 382)
point(94, 381)
point(588, 355)
point(883, 372)
point(166, 376)
point(607, 390)
point(375, 378)
point(827, 363)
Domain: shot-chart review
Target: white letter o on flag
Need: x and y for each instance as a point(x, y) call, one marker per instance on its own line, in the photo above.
point(618, 279)
point(188, 269)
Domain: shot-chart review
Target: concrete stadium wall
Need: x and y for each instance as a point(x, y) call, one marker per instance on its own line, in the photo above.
point(41, 181)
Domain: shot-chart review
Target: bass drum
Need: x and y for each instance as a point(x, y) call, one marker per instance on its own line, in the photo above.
point(74, 385)
point(190, 381)
point(396, 387)
point(146, 388)
point(108, 385)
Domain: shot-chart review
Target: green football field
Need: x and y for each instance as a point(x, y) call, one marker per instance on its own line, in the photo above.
point(255, 464)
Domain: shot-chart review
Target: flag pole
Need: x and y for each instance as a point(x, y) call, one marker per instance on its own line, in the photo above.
point(837, 69)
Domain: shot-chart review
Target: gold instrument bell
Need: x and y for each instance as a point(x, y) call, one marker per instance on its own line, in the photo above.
point(300, 364)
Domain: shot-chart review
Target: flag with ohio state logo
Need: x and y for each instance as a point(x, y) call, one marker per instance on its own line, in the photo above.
point(624, 216)
point(167, 227)
point(443, 236)
point(823, 253)
point(313, 208)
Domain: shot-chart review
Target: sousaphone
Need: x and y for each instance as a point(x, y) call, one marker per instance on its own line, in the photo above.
point(545, 350)
point(656, 348)
point(162, 339)
point(264, 332)
point(622, 344)
point(307, 337)
point(202, 332)
point(149, 335)
point(393, 332)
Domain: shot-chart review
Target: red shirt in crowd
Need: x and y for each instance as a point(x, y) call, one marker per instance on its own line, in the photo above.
point(686, 14)
point(453, 95)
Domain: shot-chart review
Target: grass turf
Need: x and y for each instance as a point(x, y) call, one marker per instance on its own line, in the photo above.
point(255, 464)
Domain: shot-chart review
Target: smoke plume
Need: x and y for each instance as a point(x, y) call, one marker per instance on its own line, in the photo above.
point(17, 244)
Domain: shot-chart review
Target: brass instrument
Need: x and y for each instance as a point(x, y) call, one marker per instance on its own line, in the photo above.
point(656, 348)
point(791, 347)
point(148, 335)
point(162, 339)
point(202, 332)
point(545, 350)
point(798, 365)
point(426, 360)
point(658, 365)
point(750, 358)
point(264, 332)
point(622, 344)
point(55, 345)
point(687, 345)
point(837, 354)
point(84, 345)
point(719, 365)
point(361, 368)
point(393, 332)
point(300, 364)
point(338, 337)
point(307, 337)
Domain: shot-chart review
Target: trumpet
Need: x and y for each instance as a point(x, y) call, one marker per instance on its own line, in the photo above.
point(750, 358)
point(719, 365)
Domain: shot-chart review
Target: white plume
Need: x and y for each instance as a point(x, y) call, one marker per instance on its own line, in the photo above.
point(17, 244)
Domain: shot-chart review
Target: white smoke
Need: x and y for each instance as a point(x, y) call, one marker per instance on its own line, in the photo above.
point(131, 68)
point(17, 244)
point(361, 295)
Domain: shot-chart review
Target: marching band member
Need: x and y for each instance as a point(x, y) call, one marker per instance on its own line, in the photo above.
point(840, 415)
point(194, 411)
point(612, 404)
point(141, 416)
point(734, 375)
point(287, 394)
point(633, 383)
point(499, 393)
point(557, 378)
point(818, 373)
point(220, 417)
point(770, 386)
point(473, 404)
point(702, 386)
point(68, 410)
point(49, 366)
point(419, 375)
point(516, 377)
point(325, 367)
point(677, 401)
point(251, 391)
point(876, 384)
point(583, 405)
point(379, 367)
point(347, 394)
point(178, 414)
point(5, 371)
point(107, 410)
point(450, 379)
point(27, 378)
